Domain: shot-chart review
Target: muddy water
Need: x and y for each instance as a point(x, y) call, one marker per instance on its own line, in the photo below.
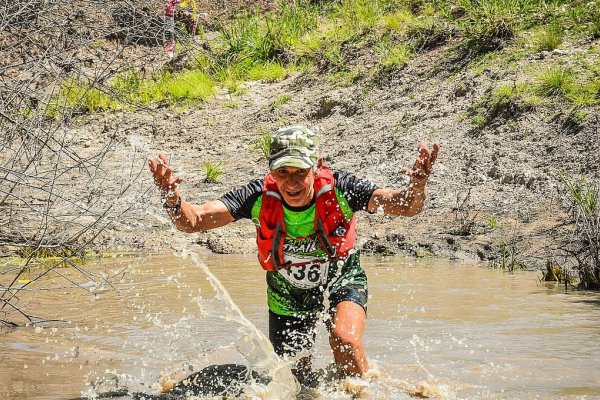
point(436, 328)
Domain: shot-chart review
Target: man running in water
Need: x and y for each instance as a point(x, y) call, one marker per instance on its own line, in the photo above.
point(306, 238)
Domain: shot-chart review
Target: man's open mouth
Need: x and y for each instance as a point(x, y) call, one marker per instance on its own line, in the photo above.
point(294, 193)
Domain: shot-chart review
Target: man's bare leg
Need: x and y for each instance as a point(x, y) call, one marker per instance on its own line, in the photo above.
point(345, 338)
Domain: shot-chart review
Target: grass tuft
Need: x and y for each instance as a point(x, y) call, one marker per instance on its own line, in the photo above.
point(281, 100)
point(548, 38)
point(393, 56)
point(556, 82)
point(584, 195)
point(79, 96)
point(213, 172)
point(188, 85)
point(261, 144)
point(268, 72)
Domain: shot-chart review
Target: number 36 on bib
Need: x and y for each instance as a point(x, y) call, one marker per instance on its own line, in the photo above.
point(304, 273)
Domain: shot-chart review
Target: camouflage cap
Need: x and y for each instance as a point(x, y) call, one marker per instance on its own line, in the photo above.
point(293, 146)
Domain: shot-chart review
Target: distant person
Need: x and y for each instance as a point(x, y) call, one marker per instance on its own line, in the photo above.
point(306, 238)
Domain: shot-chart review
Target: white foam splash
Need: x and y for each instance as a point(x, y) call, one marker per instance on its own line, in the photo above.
point(254, 346)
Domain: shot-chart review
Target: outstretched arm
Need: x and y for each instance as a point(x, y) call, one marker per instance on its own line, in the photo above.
point(188, 217)
point(410, 201)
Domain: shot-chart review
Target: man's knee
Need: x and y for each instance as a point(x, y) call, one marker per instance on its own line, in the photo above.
point(345, 339)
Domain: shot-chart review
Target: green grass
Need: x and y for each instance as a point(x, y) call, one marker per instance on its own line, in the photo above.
point(584, 194)
point(363, 15)
point(487, 22)
point(188, 85)
point(548, 38)
point(79, 96)
point(127, 82)
point(264, 38)
point(392, 56)
point(213, 172)
point(99, 44)
point(346, 78)
point(261, 144)
point(556, 82)
point(585, 93)
point(492, 222)
point(281, 100)
point(506, 100)
point(268, 72)
point(334, 36)
point(479, 120)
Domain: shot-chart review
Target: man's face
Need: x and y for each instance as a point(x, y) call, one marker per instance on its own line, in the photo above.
point(295, 185)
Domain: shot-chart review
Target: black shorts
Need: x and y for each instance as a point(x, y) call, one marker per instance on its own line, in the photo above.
point(291, 334)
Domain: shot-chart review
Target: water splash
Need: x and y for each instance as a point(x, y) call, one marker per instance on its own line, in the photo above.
point(254, 346)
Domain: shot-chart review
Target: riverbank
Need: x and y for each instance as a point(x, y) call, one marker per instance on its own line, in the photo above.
point(513, 106)
point(495, 195)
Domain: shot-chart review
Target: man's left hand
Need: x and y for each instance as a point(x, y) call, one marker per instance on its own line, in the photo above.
point(423, 166)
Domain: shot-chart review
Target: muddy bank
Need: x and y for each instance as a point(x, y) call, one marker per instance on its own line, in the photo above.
point(494, 189)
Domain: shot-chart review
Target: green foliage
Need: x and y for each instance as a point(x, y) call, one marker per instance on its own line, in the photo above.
point(335, 58)
point(398, 21)
point(343, 23)
point(188, 85)
point(492, 222)
point(392, 56)
point(79, 96)
point(594, 26)
point(262, 39)
point(347, 77)
point(127, 82)
point(255, 45)
point(487, 23)
point(555, 82)
point(261, 144)
point(213, 172)
point(230, 74)
point(83, 96)
point(361, 14)
point(548, 38)
point(334, 35)
point(507, 100)
point(585, 92)
point(99, 44)
point(583, 195)
point(268, 72)
point(510, 260)
point(48, 252)
point(479, 120)
point(584, 18)
point(295, 20)
point(281, 100)
point(202, 62)
point(231, 104)
point(44, 256)
point(418, 32)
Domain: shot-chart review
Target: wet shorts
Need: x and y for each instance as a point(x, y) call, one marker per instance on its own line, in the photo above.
point(291, 334)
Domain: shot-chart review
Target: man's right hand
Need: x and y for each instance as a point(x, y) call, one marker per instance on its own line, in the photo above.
point(162, 173)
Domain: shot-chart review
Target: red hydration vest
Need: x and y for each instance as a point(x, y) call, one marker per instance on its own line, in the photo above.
point(336, 234)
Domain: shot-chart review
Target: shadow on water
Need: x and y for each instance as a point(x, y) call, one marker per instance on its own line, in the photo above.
point(591, 302)
point(225, 380)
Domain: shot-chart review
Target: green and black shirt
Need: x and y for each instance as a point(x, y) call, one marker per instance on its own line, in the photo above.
point(299, 290)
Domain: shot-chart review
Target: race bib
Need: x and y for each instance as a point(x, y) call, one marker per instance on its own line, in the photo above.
point(308, 273)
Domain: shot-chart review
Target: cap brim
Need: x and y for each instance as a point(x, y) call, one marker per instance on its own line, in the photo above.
point(291, 161)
